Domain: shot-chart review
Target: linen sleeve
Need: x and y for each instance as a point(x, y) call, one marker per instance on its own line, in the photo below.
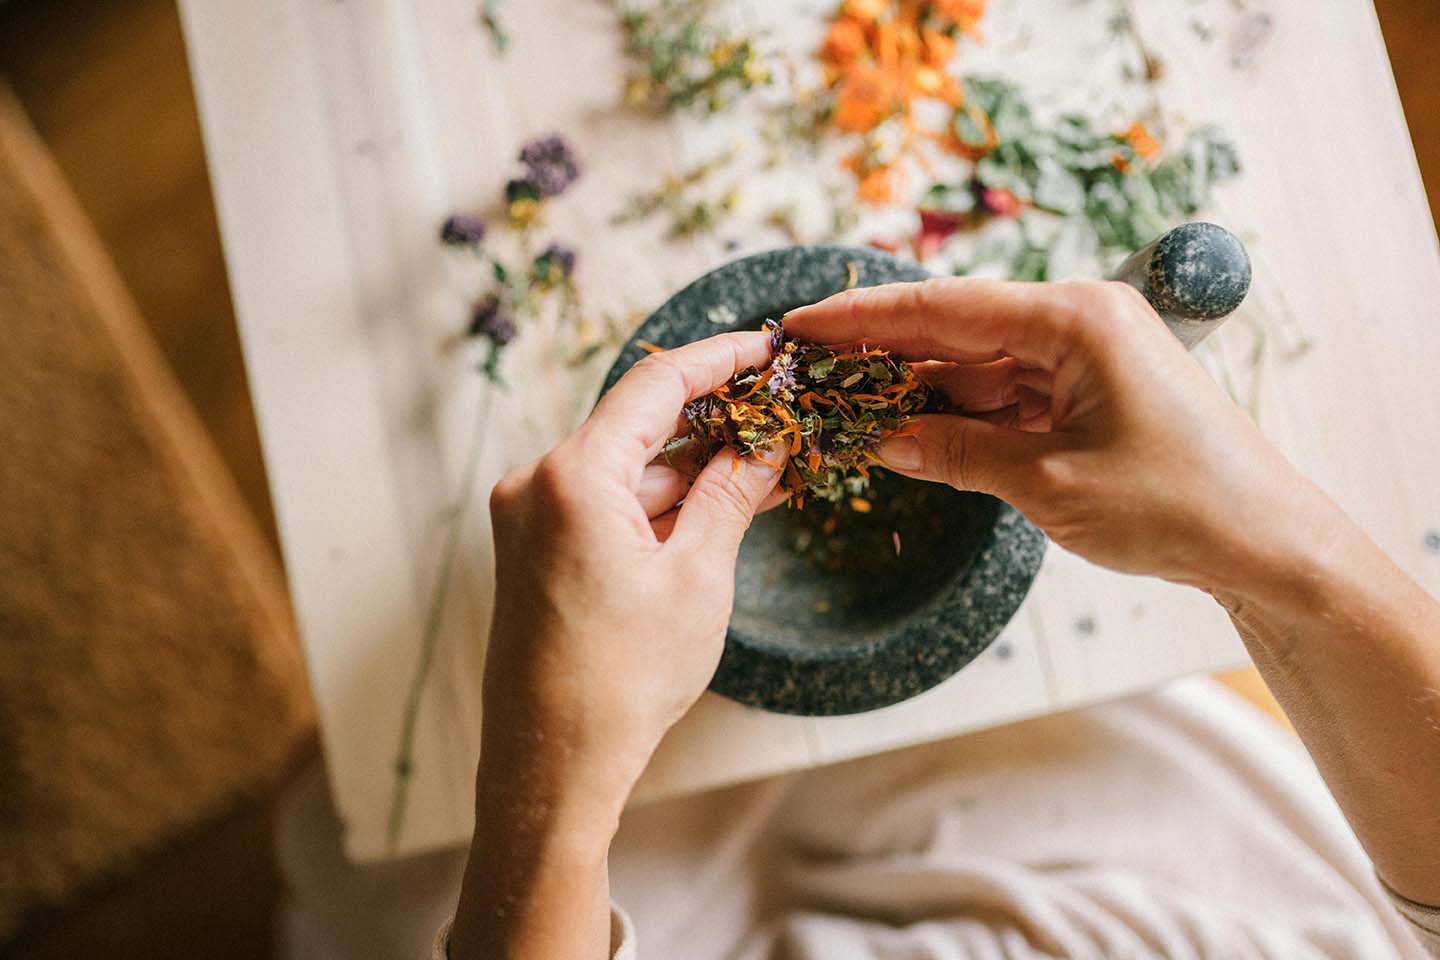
point(1424, 921)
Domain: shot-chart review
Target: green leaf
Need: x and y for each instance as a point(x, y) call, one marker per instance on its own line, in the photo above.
point(1058, 190)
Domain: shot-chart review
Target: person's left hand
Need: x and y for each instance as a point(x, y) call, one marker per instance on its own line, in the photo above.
point(612, 600)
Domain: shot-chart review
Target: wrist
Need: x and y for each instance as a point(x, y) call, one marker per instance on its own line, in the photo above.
point(1291, 555)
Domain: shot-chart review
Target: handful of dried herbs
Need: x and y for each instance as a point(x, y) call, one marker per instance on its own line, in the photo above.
point(822, 410)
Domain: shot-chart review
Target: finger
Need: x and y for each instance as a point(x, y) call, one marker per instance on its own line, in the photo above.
point(635, 419)
point(973, 387)
point(957, 319)
point(967, 453)
point(723, 500)
point(661, 487)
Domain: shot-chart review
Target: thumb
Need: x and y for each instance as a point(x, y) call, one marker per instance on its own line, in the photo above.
point(724, 499)
point(967, 454)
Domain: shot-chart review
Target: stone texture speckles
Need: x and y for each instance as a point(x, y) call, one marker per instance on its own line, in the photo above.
point(812, 642)
point(1194, 276)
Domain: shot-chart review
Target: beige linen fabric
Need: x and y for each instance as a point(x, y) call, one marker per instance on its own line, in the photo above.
point(1180, 824)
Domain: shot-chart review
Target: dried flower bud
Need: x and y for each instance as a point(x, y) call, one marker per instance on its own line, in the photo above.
point(490, 320)
point(550, 164)
point(463, 230)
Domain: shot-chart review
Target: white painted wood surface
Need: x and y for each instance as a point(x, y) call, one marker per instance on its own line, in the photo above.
point(340, 134)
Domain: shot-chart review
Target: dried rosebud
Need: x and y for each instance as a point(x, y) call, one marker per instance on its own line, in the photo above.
point(463, 230)
point(999, 202)
point(550, 164)
point(489, 320)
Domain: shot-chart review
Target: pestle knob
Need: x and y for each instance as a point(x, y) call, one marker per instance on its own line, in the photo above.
point(1194, 276)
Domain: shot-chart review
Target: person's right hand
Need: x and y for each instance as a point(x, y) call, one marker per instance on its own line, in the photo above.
point(1077, 406)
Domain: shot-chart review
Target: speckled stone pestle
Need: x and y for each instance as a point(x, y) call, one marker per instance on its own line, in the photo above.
point(809, 641)
point(1194, 276)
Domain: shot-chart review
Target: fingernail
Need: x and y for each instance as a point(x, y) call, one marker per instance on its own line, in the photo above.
point(902, 453)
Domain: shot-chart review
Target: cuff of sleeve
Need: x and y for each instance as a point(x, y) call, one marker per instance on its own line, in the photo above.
point(1424, 921)
point(622, 938)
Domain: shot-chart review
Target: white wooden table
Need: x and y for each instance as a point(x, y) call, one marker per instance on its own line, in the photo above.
point(339, 136)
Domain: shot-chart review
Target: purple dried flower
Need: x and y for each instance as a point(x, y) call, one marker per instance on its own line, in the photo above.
point(782, 377)
point(696, 409)
point(553, 266)
point(489, 320)
point(551, 164)
point(560, 256)
point(777, 334)
point(462, 230)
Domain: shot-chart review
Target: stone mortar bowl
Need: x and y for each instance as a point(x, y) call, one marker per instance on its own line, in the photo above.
point(811, 641)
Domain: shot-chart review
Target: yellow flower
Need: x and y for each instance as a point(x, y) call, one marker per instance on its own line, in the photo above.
point(723, 53)
point(523, 213)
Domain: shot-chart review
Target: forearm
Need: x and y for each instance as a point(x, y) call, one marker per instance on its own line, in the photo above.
point(536, 884)
point(1350, 646)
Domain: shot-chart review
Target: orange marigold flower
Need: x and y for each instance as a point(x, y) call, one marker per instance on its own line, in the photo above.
point(845, 40)
point(929, 81)
point(866, 97)
point(866, 9)
point(878, 186)
point(1146, 146)
point(965, 14)
point(938, 47)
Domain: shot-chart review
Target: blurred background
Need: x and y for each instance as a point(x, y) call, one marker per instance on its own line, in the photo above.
point(116, 148)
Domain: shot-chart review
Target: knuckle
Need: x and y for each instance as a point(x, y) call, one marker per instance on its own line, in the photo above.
point(723, 489)
point(509, 493)
point(551, 481)
point(957, 454)
point(658, 365)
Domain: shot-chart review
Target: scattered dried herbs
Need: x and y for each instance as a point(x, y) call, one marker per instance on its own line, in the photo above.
point(882, 59)
point(682, 57)
point(1118, 188)
point(521, 287)
point(839, 538)
point(690, 201)
point(816, 413)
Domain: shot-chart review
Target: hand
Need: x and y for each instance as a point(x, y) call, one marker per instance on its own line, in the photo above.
point(1083, 411)
point(613, 597)
point(615, 580)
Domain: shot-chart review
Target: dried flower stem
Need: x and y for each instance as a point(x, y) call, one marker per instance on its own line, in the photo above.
point(435, 617)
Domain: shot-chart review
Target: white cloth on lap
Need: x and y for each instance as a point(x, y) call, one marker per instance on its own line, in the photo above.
point(1179, 824)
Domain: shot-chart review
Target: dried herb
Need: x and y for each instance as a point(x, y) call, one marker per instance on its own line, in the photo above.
point(490, 20)
point(882, 59)
point(840, 538)
point(521, 288)
point(1120, 188)
point(818, 412)
point(690, 200)
point(683, 58)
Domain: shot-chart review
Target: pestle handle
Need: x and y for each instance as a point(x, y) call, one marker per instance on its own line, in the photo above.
point(1194, 276)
